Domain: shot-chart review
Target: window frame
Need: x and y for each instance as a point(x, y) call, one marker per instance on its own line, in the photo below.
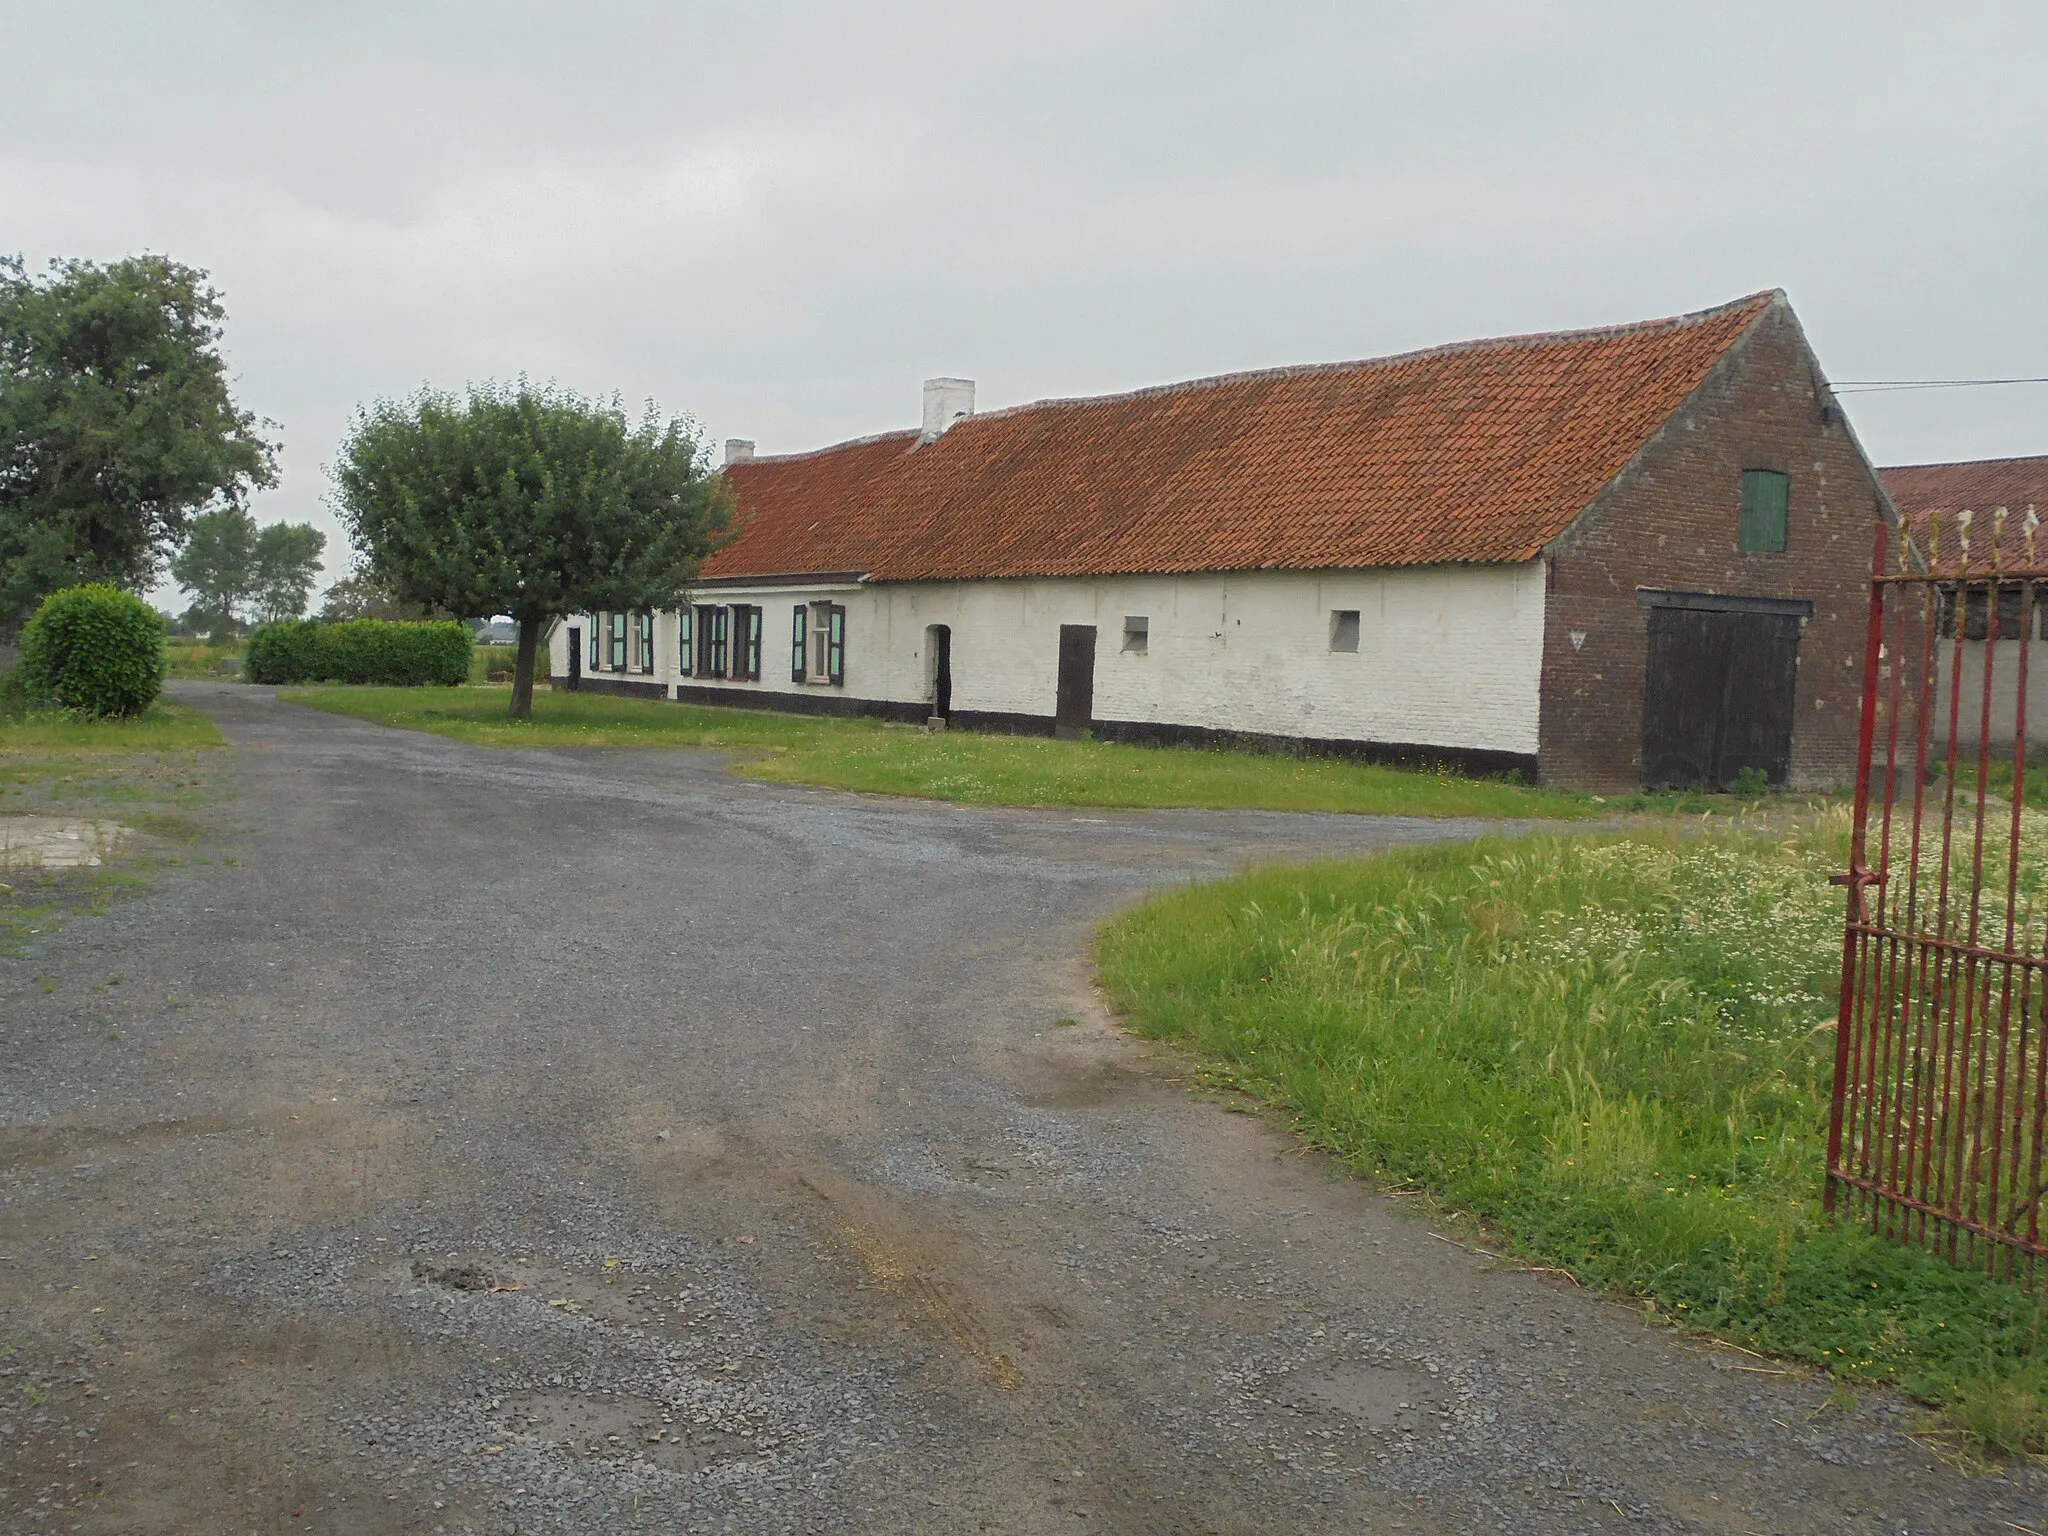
point(746, 643)
point(1753, 529)
point(1340, 618)
point(1138, 627)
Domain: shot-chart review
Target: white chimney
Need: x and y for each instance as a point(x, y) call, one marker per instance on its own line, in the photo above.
point(945, 402)
point(738, 449)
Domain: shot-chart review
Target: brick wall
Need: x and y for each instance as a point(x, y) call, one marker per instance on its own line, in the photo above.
point(1670, 522)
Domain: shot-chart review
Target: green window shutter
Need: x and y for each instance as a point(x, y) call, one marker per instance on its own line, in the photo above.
point(596, 641)
point(685, 622)
point(799, 664)
point(753, 643)
point(835, 646)
point(1766, 497)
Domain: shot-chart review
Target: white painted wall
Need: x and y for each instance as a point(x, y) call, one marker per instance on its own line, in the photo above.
point(2005, 677)
point(1448, 656)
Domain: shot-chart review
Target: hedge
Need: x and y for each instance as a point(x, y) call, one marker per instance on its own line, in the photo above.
point(94, 649)
point(360, 651)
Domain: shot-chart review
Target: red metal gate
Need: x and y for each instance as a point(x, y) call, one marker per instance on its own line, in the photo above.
point(1941, 1079)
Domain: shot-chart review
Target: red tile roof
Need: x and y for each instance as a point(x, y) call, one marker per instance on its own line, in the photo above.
point(1932, 499)
point(1481, 452)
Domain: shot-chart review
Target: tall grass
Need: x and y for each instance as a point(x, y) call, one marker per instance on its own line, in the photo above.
point(952, 765)
point(1616, 1053)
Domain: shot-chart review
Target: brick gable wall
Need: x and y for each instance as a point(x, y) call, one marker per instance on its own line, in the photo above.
point(1669, 522)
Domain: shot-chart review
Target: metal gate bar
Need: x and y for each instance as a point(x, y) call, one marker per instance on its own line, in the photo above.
point(1940, 1106)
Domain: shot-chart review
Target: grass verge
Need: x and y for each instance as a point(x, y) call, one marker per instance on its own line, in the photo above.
point(955, 765)
point(193, 656)
point(152, 773)
point(1614, 1053)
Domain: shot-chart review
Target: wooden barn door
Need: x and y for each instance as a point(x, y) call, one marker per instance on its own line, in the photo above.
point(1718, 689)
point(1074, 707)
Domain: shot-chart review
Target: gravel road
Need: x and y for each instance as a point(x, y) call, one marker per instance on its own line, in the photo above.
point(580, 1141)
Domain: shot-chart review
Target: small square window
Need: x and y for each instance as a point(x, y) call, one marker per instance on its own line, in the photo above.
point(1137, 633)
point(1344, 629)
point(1765, 496)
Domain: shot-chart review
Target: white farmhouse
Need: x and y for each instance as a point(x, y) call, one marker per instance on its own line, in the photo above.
point(1602, 557)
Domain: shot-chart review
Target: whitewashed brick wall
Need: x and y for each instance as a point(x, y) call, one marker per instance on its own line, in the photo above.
point(1448, 656)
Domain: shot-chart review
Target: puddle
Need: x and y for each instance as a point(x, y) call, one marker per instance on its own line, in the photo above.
point(1383, 1397)
point(56, 842)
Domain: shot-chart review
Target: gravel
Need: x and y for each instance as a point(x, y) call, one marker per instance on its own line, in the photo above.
point(492, 1141)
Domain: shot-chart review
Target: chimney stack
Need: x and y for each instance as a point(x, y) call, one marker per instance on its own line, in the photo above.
point(945, 402)
point(738, 449)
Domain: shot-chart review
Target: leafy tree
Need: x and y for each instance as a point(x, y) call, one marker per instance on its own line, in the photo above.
point(287, 559)
point(218, 567)
point(229, 564)
point(116, 423)
point(532, 502)
point(361, 595)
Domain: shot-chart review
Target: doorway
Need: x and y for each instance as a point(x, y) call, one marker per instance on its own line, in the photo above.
point(938, 644)
point(1719, 687)
point(1074, 708)
point(575, 658)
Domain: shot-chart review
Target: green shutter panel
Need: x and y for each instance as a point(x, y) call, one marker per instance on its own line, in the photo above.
point(684, 624)
point(799, 665)
point(835, 646)
point(1766, 498)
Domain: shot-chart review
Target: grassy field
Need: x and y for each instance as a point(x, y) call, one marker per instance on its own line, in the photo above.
point(163, 727)
point(193, 656)
point(957, 765)
point(1614, 1053)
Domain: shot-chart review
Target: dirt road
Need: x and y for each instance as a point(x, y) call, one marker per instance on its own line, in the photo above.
point(591, 1141)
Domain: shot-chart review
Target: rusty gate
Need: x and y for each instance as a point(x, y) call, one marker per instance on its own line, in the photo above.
point(1941, 1076)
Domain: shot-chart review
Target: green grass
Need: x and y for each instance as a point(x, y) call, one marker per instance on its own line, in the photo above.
point(193, 656)
point(1614, 1053)
point(953, 765)
point(163, 727)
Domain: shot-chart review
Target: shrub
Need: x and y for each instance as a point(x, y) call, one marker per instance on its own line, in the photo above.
point(360, 651)
point(94, 649)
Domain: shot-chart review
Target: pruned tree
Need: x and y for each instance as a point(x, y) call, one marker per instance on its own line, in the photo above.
point(532, 502)
point(116, 424)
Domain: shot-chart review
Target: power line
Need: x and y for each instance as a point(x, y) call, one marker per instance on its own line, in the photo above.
point(1876, 386)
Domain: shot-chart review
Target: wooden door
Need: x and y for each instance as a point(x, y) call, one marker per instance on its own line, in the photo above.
point(942, 670)
point(1074, 710)
point(575, 658)
point(1718, 696)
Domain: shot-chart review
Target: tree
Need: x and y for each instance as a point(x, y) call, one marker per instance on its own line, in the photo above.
point(360, 595)
point(287, 559)
point(218, 567)
point(116, 423)
point(532, 502)
point(231, 566)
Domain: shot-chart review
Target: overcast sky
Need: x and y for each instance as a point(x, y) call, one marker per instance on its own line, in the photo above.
point(780, 219)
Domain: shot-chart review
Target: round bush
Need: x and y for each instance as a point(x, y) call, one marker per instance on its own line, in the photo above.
point(94, 649)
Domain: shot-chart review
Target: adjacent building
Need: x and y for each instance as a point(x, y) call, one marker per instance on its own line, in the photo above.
point(1604, 558)
point(1955, 516)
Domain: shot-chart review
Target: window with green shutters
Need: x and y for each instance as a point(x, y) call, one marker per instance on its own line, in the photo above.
point(1765, 496)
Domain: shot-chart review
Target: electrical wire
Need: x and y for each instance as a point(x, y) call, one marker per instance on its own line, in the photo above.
point(1878, 386)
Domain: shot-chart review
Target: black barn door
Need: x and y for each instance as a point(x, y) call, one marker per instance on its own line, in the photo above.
point(1074, 711)
point(1718, 692)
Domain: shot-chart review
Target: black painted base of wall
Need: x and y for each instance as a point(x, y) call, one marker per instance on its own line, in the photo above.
point(628, 687)
point(1466, 760)
point(810, 702)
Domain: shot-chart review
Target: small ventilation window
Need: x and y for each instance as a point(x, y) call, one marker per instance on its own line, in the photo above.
point(1137, 633)
point(1344, 629)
